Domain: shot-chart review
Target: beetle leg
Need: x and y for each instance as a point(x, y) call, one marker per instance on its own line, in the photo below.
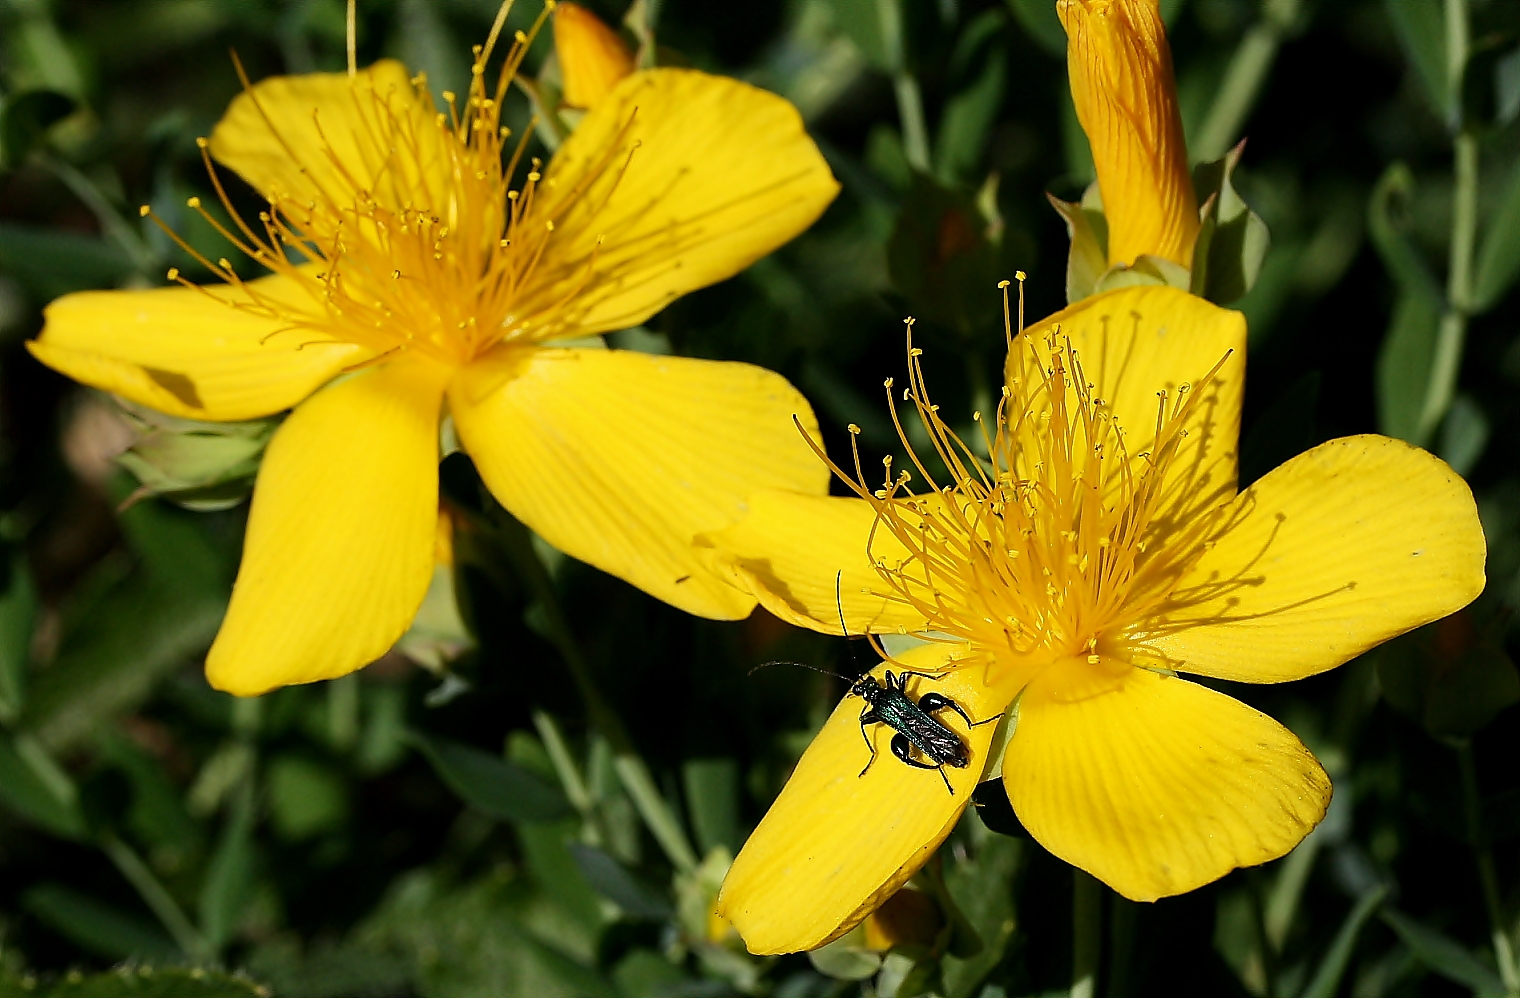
point(903, 749)
point(931, 702)
point(868, 716)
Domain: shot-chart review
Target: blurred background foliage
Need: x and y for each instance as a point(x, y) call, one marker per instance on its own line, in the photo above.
point(467, 817)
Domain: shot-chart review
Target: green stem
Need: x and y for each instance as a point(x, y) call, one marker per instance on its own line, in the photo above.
point(1087, 934)
point(112, 224)
point(1452, 332)
point(910, 109)
point(156, 897)
point(631, 769)
point(1504, 953)
point(1243, 80)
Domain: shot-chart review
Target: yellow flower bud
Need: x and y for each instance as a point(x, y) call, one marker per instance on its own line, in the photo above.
point(592, 58)
point(1121, 81)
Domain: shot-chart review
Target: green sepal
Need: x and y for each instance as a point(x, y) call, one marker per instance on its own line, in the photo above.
point(1087, 260)
point(1449, 676)
point(1232, 239)
point(201, 466)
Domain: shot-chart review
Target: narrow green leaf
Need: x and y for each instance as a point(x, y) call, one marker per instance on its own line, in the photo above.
point(229, 875)
point(37, 794)
point(1405, 264)
point(97, 926)
point(1421, 30)
point(25, 119)
point(1403, 365)
point(18, 608)
point(49, 263)
point(967, 121)
point(1332, 967)
point(712, 800)
point(1038, 19)
point(1443, 954)
point(1499, 255)
point(492, 784)
point(613, 881)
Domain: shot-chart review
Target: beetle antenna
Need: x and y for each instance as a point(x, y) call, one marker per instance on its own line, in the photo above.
point(800, 665)
point(843, 627)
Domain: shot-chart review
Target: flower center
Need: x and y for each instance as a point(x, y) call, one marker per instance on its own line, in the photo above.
point(412, 239)
point(1052, 545)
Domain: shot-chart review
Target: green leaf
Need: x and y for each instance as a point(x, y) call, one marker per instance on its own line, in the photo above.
point(35, 787)
point(1403, 365)
point(875, 28)
point(18, 609)
point(1332, 967)
point(643, 973)
point(967, 121)
point(1443, 954)
point(97, 926)
point(145, 624)
point(712, 800)
point(306, 797)
point(1232, 242)
point(1421, 29)
point(49, 263)
point(982, 889)
point(25, 120)
point(613, 881)
point(846, 958)
point(491, 784)
point(1464, 435)
point(1039, 20)
point(1448, 676)
point(1498, 261)
point(229, 877)
point(155, 982)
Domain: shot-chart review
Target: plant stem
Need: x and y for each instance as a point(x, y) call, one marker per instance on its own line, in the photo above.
point(1087, 934)
point(1243, 80)
point(657, 813)
point(156, 897)
point(1447, 362)
point(1504, 953)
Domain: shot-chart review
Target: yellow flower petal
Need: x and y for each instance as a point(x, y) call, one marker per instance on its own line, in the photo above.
point(318, 137)
point(1121, 81)
point(187, 352)
point(592, 58)
point(620, 459)
point(794, 552)
point(718, 174)
point(341, 536)
point(1343, 547)
point(1138, 341)
point(837, 843)
point(1153, 784)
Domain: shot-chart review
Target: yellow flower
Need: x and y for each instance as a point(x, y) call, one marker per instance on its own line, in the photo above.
point(410, 282)
point(592, 58)
point(1121, 81)
point(1101, 551)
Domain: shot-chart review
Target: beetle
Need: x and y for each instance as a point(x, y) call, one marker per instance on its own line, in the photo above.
point(916, 727)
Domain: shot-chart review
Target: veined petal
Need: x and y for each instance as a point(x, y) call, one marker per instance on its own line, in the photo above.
point(325, 136)
point(202, 354)
point(1136, 342)
point(620, 459)
point(1121, 82)
point(1340, 549)
point(838, 842)
point(807, 559)
point(1153, 784)
point(675, 180)
point(341, 536)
